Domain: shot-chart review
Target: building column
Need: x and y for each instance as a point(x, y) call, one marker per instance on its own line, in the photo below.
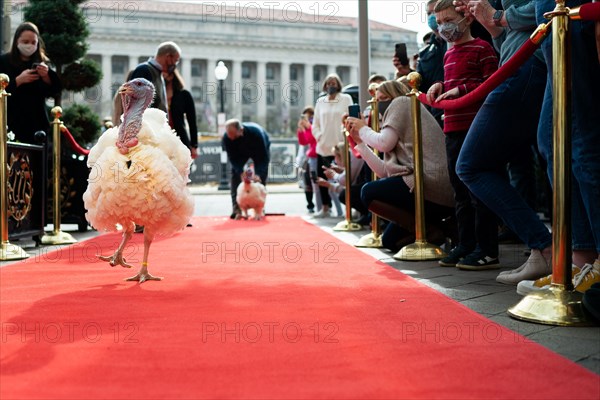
point(234, 92)
point(261, 106)
point(133, 62)
point(309, 85)
point(353, 76)
point(186, 71)
point(106, 84)
point(285, 91)
point(212, 89)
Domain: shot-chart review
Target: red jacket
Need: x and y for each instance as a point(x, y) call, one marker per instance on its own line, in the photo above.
point(306, 137)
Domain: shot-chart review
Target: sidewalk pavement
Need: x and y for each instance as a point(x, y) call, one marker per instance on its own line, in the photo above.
point(477, 290)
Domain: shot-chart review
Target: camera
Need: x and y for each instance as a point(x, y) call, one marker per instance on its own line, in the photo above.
point(354, 110)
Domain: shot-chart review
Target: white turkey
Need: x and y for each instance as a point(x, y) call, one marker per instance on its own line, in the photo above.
point(139, 171)
point(251, 194)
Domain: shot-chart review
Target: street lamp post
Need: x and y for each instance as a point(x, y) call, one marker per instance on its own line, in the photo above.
point(221, 73)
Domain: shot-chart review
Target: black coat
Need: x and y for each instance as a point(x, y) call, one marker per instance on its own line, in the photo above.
point(26, 104)
point(182, 106)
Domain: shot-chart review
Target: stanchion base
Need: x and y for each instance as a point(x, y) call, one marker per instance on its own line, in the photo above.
point(420, 251)
point(555, 306)
point(10, 251)
point(59, 237)
point(347, 226)
point(370, 241)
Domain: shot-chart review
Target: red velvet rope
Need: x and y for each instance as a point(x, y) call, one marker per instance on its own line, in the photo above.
point(590, 11)
point(74, 145)
point(504, 72)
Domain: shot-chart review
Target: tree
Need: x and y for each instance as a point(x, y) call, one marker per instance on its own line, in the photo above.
point(64, 30)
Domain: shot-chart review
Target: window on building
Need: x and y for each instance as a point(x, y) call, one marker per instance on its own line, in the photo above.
point(270, 73)
point(294, 73)
point(197, 69)
point(197, 93)
point(246, 95)
point(119, 65)
point(270, 96)
point(246, 71)
point(344, 74)
point(317, 74)
point(294, 96)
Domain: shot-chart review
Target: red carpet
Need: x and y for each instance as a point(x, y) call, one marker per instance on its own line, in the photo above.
point(275, 309)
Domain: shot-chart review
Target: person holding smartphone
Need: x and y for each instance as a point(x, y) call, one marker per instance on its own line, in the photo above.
point(31, 83)
point(327, 130)
point(306, 138)
point(391, 196)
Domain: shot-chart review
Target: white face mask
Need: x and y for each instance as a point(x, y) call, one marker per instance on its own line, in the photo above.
point(27, 49)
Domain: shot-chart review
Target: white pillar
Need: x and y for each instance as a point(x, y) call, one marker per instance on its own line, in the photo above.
point(106, 84)
point(308, 91)
point(261, 106)
point(186, 71)
point(211, 86)
point(133, 62)
point(353, 76)
point(234, 92)
point(285, 91)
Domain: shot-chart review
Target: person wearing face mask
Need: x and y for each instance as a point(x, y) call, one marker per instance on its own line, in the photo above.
point(431, 60)
point(31, 83)
point(467, 64)
point(391, 196)
point(504, 130)
point(327, 130)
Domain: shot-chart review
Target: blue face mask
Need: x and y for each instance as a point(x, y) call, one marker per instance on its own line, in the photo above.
point(432, 22)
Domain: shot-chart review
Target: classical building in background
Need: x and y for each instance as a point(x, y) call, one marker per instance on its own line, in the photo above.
point(277, 58)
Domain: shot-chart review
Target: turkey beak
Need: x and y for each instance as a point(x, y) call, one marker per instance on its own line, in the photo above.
point(124, 89)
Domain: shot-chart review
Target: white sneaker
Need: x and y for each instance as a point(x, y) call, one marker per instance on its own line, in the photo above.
point(541, 284)
point(535, 267)
point(323, 214)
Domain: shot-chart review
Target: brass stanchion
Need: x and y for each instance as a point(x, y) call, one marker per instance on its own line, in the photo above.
point(559, 305)
point(8, 251)
point(347, 225)
point(373, 239)
point(57, 236)
point(420, 250)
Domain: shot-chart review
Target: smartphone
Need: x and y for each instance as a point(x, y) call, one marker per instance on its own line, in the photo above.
point(35, 65)
point(354, 110)
point(401, 53)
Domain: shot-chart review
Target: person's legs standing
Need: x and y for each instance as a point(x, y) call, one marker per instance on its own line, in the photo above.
point(507, 120)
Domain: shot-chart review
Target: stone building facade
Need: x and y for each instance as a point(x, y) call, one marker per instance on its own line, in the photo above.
point(277, 58)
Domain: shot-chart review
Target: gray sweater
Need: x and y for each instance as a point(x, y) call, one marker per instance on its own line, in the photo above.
point(396, 142)
point(520, 16)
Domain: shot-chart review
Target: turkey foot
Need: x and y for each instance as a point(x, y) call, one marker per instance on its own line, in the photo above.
point(143, 275)
point(115, 259)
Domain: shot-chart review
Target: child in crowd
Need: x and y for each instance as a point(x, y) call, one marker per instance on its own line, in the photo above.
point(467, 63)
point(306, 138)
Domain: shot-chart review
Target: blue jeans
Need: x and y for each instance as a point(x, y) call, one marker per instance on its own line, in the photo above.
point(503, 130)
point(585, 128)
point(394, 191)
